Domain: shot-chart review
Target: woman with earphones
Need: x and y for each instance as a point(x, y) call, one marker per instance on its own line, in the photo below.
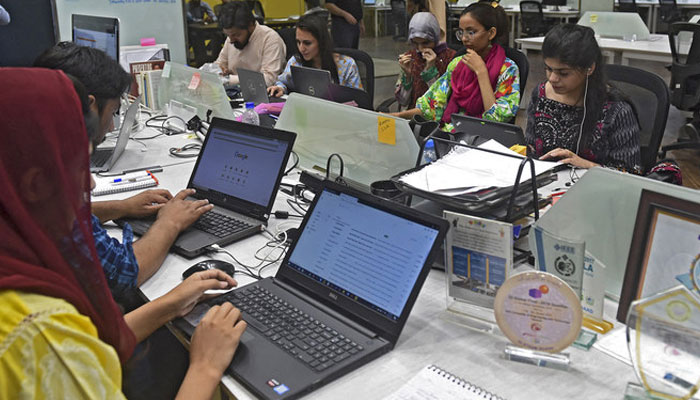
point(575, 116)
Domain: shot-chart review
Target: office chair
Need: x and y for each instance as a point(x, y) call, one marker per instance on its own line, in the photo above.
point(685, 83)
point(669, 12)
point(289, 37)
point(366, 66)
point(627, 6)
point(532, 20)
point(650, 97)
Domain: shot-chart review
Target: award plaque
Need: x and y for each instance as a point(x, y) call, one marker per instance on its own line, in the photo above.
point(663, 334)
point(539, 312)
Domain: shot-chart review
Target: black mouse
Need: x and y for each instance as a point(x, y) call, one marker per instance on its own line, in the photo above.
point(210, 264)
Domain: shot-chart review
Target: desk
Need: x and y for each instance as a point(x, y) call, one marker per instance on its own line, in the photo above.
point(513, 14)
point(653, 6)
point(426, 338)
point(655, 49)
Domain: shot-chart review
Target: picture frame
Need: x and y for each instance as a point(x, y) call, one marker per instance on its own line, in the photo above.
point(665, 246)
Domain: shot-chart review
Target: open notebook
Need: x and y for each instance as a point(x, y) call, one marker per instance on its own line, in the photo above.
point(434, 383)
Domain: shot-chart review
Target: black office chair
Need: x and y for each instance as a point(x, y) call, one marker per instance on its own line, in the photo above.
point(650, 97)
point(366, 66)
point(685, 84)
point(627, 6)
point(669, 12)
point(532, 21)
point(289, 36)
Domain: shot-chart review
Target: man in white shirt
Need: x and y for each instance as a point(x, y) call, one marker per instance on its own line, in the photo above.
point(249, 45)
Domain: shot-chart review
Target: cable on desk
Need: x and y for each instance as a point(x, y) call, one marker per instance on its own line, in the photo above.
point(296, 163)
point(265, 261)
point(328, 165)
point(187, 151)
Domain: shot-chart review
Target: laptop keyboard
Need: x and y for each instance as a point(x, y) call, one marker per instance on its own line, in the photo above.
point(99, 158)
point(220, 225)
point(302, 336)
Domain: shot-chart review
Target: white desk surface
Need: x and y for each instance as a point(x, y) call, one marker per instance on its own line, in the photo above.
point(656, 44)
point(426, 338)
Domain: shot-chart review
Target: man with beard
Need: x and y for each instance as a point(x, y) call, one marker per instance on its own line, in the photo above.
point(249, 45)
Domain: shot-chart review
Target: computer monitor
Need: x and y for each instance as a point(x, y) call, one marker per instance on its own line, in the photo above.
point(97, 32)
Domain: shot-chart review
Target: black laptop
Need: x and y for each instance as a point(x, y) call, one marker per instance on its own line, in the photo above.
point(505, 134)
point(239, 170)
point(312, 82)
point(340, 298)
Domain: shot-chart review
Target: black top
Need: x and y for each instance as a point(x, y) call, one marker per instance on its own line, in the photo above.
point(354, 7)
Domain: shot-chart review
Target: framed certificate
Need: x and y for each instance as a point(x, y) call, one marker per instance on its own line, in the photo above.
point(664, 250)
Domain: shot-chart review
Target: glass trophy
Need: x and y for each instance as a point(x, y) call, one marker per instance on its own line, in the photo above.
point(663, 338)
point(541, 315)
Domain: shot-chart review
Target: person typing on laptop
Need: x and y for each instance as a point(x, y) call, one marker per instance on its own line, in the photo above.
point(315, 50)
point(126, 264)
point(248, 45)
point(61, 331)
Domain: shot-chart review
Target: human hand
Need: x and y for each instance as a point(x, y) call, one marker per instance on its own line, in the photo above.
point(474, 61)
point(275, 91)
point(568, 157)
point(182, 299)
point(429, 56)
point(216, 339)
point(350, 19)
point(405, 62)
point(182, 213)
point(145, 203)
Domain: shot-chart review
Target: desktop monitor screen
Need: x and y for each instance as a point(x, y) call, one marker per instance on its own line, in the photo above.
point(553, 2)
point(97, 32)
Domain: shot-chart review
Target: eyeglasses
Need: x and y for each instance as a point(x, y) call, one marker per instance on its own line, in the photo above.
point(459, 33)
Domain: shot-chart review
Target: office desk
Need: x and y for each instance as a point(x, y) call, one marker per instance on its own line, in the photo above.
point(656, 49)
point(513, 14)
point(427, 338)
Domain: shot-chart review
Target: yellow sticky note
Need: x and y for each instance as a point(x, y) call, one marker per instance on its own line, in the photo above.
point(594, 18)
point(386, 130)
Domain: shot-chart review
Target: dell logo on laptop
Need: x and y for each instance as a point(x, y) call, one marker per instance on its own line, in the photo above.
point(333, 296)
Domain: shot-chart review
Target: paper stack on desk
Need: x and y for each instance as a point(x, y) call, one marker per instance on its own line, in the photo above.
point(464, 170)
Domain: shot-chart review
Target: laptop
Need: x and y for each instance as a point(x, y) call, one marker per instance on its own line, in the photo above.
point(103, 159)
point(345, 288)
point(312, 82)
point(254, 88)
point(239, 170)
point(505, 134)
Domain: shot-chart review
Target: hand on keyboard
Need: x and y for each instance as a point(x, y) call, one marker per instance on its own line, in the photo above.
point(182, 299)
point(182, 213)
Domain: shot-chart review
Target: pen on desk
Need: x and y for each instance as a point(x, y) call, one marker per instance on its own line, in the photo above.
point(130, 176)
point(154, 168)
point(132, 180)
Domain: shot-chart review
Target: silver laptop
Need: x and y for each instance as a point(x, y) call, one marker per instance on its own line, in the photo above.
point(340, 298)
point(103, 159)
point(239, 170)
point(254, 88)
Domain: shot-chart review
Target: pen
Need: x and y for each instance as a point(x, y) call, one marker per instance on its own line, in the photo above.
point(132, 180)
point(154, 168)
point(130, 176)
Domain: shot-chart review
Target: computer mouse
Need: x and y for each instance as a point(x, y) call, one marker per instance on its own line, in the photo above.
point(209, 264)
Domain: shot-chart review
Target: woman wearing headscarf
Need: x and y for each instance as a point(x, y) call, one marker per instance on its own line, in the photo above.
point(425, 63)
point(61, 333)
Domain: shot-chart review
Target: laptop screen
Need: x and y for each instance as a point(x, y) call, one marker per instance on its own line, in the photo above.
point(240, 164)
point(369, 255)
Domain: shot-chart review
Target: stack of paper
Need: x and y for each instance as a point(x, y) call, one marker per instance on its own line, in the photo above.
point(464, 170)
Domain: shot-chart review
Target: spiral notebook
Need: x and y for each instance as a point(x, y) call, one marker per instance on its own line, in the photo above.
point(434, 383)
point(102, 190)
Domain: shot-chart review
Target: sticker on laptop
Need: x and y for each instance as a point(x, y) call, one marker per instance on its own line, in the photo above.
point(281, 389)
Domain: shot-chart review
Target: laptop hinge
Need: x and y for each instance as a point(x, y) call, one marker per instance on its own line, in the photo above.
point(327, 310)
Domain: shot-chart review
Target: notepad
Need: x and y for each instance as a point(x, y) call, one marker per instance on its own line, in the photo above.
point(434, 383)
point(102, 190)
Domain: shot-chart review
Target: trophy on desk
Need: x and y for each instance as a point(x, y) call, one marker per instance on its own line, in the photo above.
point(663, 337)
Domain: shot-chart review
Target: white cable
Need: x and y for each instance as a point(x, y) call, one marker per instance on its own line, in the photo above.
point(583, 120)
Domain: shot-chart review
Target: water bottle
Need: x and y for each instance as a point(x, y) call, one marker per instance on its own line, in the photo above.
point(249, 115)
point(429, 154)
